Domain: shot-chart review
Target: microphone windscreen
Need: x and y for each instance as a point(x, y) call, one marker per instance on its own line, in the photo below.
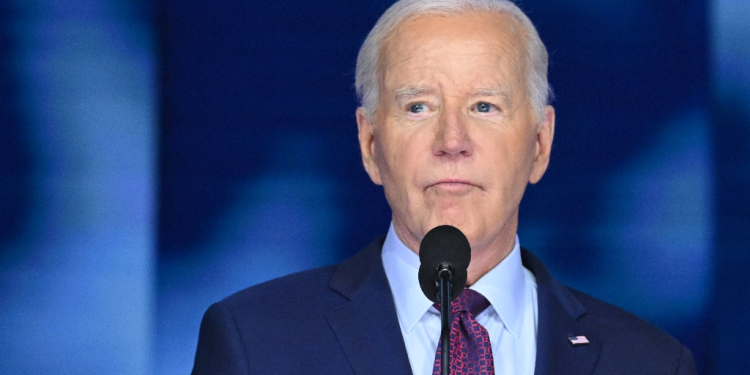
point(443, 244)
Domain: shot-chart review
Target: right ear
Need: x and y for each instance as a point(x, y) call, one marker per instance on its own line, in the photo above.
point(367, 145)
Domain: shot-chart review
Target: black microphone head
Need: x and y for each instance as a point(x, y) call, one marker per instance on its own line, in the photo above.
point(443, 244)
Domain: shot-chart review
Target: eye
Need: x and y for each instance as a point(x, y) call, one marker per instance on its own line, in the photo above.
point(417, 108)
point(484, 107)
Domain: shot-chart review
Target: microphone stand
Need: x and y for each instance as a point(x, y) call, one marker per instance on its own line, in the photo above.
point(445, 275)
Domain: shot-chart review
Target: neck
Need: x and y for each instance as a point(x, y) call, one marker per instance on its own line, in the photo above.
point(485, 253)
point(483, 260)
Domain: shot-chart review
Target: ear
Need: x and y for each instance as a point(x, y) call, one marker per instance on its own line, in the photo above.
point(544, 135)
point(367, 145)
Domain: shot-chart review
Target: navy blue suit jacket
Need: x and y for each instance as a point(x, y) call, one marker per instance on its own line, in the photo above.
point(341, 320)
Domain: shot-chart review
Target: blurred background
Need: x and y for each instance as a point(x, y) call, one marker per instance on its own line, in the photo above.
point(157, 156)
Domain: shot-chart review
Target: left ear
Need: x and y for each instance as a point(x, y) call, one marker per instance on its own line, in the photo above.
point(544, 134)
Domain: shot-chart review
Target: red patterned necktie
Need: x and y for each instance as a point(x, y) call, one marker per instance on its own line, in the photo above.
point(471, 352)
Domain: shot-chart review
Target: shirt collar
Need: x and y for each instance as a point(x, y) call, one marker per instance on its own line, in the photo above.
point(504, 285)
point(402, 266)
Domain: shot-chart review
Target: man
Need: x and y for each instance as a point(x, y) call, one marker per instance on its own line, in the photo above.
point(454, 123)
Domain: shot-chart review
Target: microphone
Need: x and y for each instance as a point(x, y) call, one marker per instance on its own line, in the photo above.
point(444, 256)
point(444, 252)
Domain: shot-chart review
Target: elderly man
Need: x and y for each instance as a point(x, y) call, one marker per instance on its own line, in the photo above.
point(454, 123)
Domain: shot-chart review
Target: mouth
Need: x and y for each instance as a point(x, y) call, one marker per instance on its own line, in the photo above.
point(453, 186)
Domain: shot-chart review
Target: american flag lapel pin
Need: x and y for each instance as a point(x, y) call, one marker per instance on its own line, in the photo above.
point(578, 340)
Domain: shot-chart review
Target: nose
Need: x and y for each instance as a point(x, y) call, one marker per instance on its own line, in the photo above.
point(452, 136)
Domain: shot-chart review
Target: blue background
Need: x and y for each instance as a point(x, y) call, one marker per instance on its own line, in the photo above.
point(156, 157)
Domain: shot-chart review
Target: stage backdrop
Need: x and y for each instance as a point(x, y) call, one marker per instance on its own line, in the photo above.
point(157, 156)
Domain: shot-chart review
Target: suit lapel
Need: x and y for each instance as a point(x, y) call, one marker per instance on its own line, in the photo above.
point(368, 330)
point(366, 325)
point(561, 315)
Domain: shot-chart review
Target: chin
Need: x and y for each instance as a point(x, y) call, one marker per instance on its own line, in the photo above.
point(467, 227)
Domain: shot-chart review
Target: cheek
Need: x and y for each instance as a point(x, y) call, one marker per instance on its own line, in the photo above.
point(388, 157)
point(511, 162)
point(522, 146)
point(404, 164)
point(400, 154)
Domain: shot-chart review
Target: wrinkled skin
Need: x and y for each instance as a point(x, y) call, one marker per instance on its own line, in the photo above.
point(454, 139)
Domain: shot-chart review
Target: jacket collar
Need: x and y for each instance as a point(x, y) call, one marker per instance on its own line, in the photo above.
point(375, 346)
point(366, 325)
point(561, 315)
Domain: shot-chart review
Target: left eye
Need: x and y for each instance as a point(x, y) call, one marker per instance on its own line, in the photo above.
point(484, 107)
point(417, 108)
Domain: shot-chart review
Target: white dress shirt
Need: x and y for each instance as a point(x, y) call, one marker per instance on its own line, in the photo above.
point(511, 319)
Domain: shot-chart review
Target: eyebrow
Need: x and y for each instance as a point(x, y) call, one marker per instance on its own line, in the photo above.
point(500, 91)
point(411, 91)
point(493, 91)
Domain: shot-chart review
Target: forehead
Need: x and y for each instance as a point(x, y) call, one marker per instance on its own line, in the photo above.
point(473, 48)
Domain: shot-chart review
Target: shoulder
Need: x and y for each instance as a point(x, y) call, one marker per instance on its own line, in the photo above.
point(629, 341)
point(618, 325)
point(609, 319)
point(307, 287)
point(259, 328)
point(289, 297)
point(624, 343)
point(317, 289)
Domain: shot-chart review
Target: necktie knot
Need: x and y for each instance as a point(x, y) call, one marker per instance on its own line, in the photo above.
point(470, 301)
point(471, 351)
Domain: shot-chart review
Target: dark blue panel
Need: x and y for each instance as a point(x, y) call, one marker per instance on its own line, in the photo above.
point(15, 169)
point(731, 306)
point(239, 76)
point(257, 89)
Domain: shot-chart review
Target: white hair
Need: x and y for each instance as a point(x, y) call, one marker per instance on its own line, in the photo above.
point(366, 79)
